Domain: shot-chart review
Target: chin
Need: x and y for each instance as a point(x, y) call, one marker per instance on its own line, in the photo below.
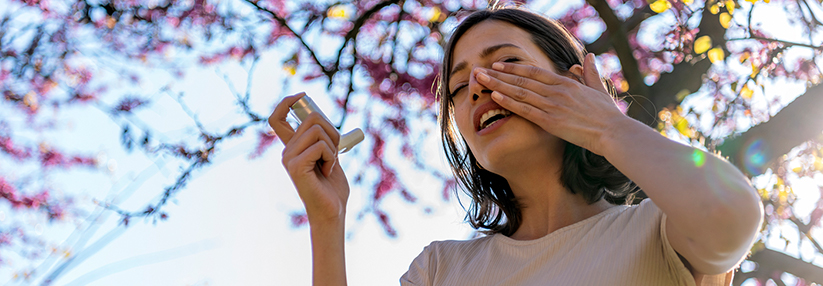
point(511, 154)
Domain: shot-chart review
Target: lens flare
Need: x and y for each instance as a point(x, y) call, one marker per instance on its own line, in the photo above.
point(754, 157)
point(699, 158)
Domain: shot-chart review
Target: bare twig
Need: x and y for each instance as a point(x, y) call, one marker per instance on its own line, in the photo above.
point(243, 101)
point(282, 21)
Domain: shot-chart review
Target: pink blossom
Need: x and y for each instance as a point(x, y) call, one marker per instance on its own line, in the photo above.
point(408, 196)
point(83, 97)
point(7, 191)
point(377, 148)
point(174, 21)
point(384, 221)
point(387, 182)
point(5, 239)
point(264, 141)
point(50, 158)
point(56, 212)
point(7, 146)
point(407, 150)
point(399, 124)
point(448, 187)
point(299, 219)
point(817, 213)
point(205, 60)
point(18, 200)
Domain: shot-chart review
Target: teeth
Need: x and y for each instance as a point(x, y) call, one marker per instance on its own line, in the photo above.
point(491, 113)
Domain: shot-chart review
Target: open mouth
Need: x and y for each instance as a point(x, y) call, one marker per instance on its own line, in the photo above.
point(492, 116)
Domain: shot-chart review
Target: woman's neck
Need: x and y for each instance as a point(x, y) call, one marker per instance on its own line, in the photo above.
point(545, 205)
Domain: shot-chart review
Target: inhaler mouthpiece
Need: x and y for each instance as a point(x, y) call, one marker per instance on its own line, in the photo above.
point(305, 106)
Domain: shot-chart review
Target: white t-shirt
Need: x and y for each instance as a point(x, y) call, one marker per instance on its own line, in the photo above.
point(623, 245)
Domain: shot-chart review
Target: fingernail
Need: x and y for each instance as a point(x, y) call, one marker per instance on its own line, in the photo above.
point(483, 77)
point(497, 96)
point(497, 66)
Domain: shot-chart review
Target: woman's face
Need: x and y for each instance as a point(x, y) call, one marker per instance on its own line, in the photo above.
point(511, 141)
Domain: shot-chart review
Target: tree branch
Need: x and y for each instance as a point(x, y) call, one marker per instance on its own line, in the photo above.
point(800, 121)
point(282, 22)
point(771, 261)
point(351, 36)
point(631, 71)
point(604, 42)
point(811, 12)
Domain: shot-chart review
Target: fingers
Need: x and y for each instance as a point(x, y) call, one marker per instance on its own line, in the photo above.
point(532, 72)
point(277, 120)
point(303, 151)
point(318, 120)
point(305, 161)
point(525, 110)
point(520, 88)
point(515, 93)
point(315, 123)
point(591, 76)
point(532, 84)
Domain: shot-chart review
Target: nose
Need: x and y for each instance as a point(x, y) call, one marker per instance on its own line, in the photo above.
point(476, 89)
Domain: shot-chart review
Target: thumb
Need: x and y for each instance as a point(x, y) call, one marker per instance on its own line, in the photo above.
point(591, 77)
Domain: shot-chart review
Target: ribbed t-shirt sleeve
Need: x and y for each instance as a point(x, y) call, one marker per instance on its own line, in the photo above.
point(677, 266)
point(422, 269)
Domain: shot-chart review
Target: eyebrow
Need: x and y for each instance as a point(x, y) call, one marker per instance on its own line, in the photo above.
point(486, 52)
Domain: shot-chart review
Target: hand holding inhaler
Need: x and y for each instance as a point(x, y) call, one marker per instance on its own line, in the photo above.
point(301, 109)
point(310, 158)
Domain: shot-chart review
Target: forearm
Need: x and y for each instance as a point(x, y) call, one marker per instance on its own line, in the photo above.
point(328, 253)
point(705, 196)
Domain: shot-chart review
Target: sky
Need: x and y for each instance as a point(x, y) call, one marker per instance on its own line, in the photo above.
point(231, 224)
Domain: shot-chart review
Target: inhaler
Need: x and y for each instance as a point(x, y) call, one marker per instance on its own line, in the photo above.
point(305, 106)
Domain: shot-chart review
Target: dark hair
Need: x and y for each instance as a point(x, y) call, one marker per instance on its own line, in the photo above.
point(493, 206)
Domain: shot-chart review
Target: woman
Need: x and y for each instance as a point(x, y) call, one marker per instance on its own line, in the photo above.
point(542, 149)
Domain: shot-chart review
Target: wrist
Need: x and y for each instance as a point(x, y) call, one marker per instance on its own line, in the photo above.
point(619, 132)
point(328, 221)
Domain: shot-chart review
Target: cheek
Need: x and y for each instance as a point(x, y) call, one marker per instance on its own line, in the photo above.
point(463, 120)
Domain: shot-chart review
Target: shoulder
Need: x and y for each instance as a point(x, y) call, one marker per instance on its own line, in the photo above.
point(645, 215)
point(449, 244)
point(439, 255)
point(641, 220)
point(646, 208)
point(448, 249)
point(644, 221)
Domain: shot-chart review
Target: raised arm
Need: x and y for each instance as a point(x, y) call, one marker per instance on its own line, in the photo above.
point(713, 213)
point(310, 157)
